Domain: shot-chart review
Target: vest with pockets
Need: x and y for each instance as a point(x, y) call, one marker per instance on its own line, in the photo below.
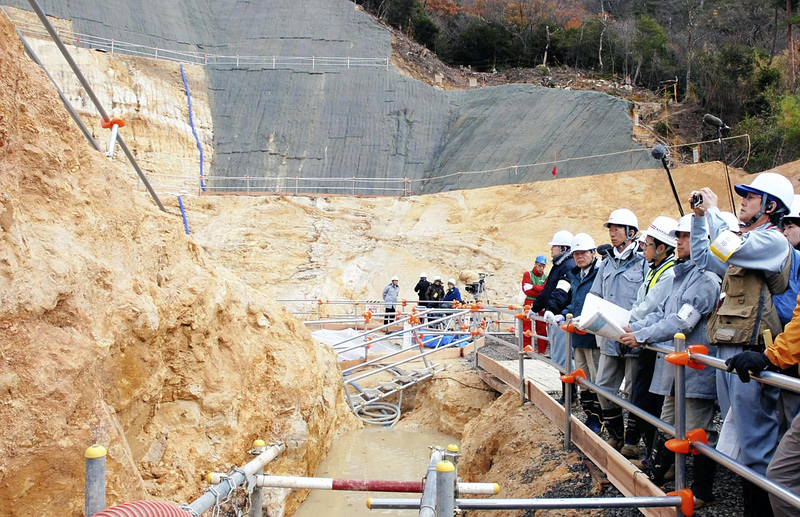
point(747, 309)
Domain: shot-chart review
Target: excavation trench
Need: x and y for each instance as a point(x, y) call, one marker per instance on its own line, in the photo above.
point(500, 439)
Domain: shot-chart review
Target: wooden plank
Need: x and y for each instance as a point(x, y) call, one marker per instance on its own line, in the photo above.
point(628, 479)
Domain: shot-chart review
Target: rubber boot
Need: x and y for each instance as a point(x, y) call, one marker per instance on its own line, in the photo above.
point(615, 427)
point(593, 411)
point(705, 470)
point(756, 501)
point(661, 460)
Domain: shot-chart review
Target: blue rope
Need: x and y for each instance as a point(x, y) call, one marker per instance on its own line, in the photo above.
point(183, 214)
point(194, 132)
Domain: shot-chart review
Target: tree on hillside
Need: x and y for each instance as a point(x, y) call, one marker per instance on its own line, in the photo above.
point(649, 45)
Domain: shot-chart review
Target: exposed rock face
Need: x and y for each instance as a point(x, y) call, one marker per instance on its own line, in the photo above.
point(147, 94)
point(449, 401)
point(342, 247)
point(116, 329)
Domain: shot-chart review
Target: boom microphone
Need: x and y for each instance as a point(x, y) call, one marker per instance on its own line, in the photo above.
point(711, 120)
point(659, 152)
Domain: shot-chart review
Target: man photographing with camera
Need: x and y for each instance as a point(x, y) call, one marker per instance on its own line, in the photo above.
point(757, 260)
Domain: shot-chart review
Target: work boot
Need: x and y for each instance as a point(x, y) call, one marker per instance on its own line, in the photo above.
point(632, 438)
point(615, 427)
point(703, 480)
point(642, 464)
point(593, 411)
point(661, 461)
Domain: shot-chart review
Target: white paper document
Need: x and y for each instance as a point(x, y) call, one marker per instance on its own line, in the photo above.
point(602, 318)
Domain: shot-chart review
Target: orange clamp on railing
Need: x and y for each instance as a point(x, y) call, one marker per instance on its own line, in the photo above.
point(527, 333)
point(511, 330)
point(684, 359)
point(570, 379)
point(455, 304)
point(473, 308)
point(520, 316)
point(319, 302)
point(527, 308)
point(528, 348)
point(464, 327)
point(511, 307)
point(356, 304)
point(685, 446)
point(367, 316)
point(480, 331)
point(571, 328)
point(403, 303)
point(113, 120)
point(696, 349)
point(687, 501)
point(480, 305)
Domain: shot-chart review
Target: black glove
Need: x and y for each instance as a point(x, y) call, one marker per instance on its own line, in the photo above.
point(749, 362)
point(604, 249)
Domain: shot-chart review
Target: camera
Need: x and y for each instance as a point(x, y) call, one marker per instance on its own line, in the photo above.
point(696, 200)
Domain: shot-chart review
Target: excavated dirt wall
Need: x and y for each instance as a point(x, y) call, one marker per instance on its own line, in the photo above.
point(115, 328)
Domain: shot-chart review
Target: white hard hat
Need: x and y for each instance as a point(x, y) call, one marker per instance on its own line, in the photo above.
point(684, 225)
point(772, 184)
point(394, 278)
point(582, 242)
point(451, 281)
point(794, 211)
point(732, 220)
point(562, 238)
point(437, 277)
point(663, 229)
point(622, 217)
point(423, 275)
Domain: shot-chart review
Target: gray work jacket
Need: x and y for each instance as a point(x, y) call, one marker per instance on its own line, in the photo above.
point(694, 290)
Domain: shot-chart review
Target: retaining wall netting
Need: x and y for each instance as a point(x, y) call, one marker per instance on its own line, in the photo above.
point(370, 122)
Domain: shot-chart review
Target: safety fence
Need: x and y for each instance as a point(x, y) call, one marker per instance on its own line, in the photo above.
point(112, 46)
point(353, 186)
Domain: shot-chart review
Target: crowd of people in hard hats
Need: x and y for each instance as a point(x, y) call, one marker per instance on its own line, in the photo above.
point(729, 282)
point(431, 294)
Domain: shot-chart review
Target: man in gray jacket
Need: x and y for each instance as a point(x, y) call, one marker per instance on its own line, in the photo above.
point(618, 280)
point(694, 296)
point(390, 293)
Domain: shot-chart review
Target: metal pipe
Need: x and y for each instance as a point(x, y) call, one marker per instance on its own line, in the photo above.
point(92, 96)
point(208, 499)
point(376, 329)
point(445, 488)
point(680, 417)
point(534, 504)
point(521, 355)
point(355, 485)
point(67, 104)
point(398, 363)
point(749, 474)
point(568, 388)
point(773, 379)
point(427, 505)
point(257, 496)
point(95, 473)
point(420, 326)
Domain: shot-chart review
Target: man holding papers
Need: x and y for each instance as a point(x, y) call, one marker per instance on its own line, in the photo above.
point(618, 280)
point(694, 296)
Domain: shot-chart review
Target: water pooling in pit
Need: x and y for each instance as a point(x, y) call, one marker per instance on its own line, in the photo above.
point(371, 453)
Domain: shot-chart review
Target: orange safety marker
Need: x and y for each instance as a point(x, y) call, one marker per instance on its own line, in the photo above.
point(572, 329)
point(480, 305)
point(319, 302)
point(473, 308)
point(528, 348)
point(511, 307)
point(464, 327)
point(511, 330)
point(480, 332)
point(111, 122)
point(684, 358)
point(520, 316)
point(684, 446)
point(527, 333)
point(570, 379)
point(403, 303)
point(355, 303)
point(687, 501)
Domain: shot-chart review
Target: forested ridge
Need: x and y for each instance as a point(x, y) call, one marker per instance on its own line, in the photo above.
point(732, 58)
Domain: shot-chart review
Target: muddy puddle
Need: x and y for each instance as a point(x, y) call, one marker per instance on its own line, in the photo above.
point(371, 453)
